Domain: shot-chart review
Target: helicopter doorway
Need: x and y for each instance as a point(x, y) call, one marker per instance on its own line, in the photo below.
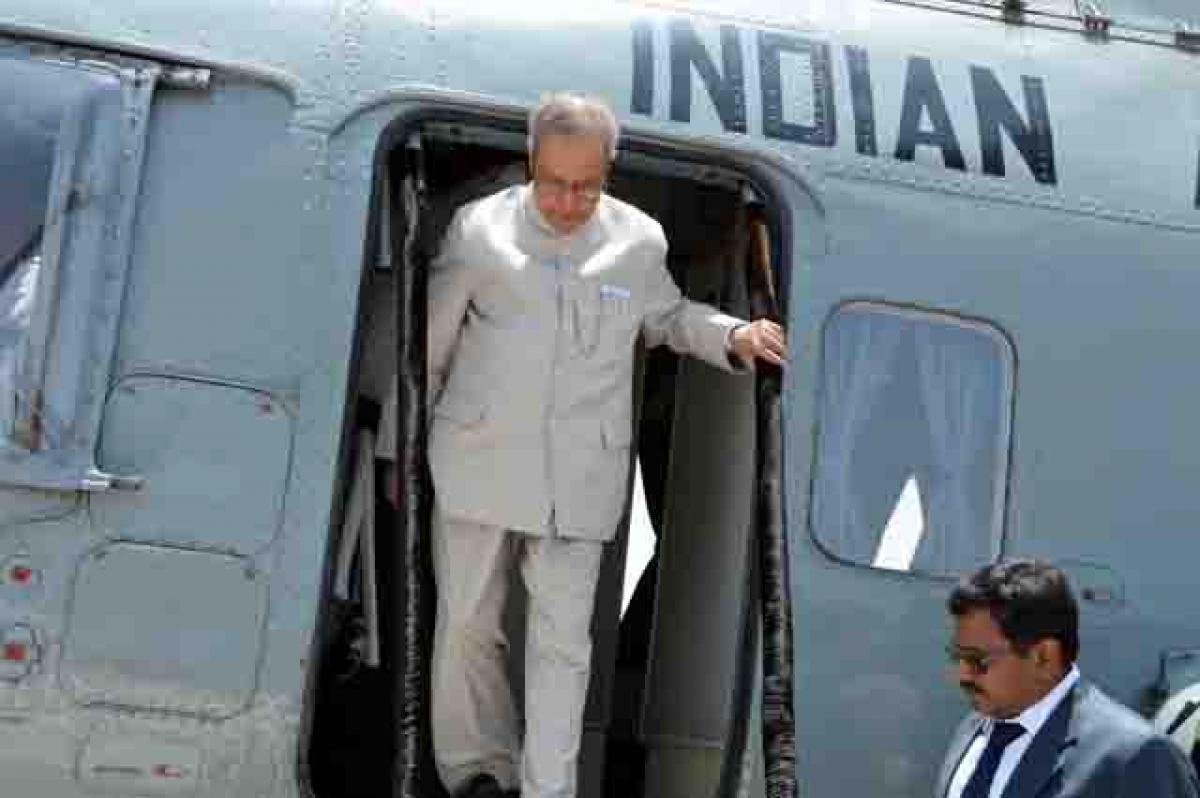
point(668, 701)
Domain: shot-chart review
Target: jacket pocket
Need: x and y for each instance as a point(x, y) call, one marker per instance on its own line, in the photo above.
point(601, 315)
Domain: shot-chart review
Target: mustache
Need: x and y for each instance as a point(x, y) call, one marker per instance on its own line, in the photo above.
point(970, 687)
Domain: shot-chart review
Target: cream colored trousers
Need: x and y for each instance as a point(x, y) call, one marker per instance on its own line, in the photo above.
point(475, 724)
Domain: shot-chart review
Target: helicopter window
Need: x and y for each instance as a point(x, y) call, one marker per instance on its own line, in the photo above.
point(71, 140)
point(33, 101)
point(913, 445)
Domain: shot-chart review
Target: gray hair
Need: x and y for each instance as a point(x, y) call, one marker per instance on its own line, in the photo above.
point(573, 114)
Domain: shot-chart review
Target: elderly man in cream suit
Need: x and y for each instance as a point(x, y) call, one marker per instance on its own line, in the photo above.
point(536, 301)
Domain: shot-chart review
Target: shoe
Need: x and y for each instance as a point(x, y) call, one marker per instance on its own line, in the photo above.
point(481, 785)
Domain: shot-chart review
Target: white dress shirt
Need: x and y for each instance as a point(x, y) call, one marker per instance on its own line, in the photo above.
point(1032, 720)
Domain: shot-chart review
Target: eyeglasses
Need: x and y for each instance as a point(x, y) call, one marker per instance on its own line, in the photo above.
point(589, 190)
point(977, 660)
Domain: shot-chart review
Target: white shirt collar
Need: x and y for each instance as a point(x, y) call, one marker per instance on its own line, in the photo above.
point(1034, 717)
point(1032, 720)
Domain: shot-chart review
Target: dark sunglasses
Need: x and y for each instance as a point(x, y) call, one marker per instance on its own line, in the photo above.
point(978, 661)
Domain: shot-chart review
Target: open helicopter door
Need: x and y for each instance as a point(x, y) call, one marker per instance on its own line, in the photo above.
point(699, 198)
point(721, 592)
point(763, 687)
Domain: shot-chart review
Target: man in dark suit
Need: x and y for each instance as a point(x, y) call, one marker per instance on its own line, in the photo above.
point(1037, 730)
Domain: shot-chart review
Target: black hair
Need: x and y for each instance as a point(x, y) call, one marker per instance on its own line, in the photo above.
point(1029, 600)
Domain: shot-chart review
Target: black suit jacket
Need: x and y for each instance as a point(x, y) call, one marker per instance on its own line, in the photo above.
point(1089, 747)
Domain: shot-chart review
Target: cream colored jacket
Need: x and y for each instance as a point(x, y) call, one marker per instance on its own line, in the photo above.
point(530, 354)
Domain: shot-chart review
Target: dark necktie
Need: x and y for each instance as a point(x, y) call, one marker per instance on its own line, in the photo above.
point(985, 770)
